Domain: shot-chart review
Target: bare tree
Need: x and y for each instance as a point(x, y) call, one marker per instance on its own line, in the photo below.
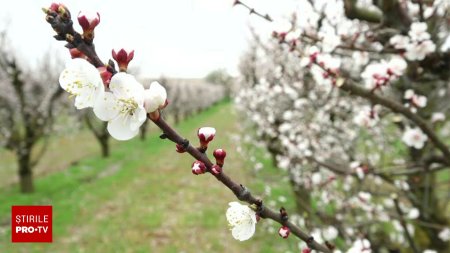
point(27, 108)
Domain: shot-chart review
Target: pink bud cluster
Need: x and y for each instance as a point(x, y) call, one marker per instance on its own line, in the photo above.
point(282, 38)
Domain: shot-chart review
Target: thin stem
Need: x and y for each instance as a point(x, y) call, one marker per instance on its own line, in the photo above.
point(405, 228)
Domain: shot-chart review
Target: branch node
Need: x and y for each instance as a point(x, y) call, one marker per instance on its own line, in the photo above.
point(283, 214)
point(163, 136)
point(310, 240)
point(329, 245)
point(244, 194)
point(185, 144)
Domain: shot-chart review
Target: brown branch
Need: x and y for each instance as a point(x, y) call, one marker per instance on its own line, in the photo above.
point(354, 12)
point(404, 226)
point(253, 11)
point(399, 108)
point(62, 24)
point(239, 190)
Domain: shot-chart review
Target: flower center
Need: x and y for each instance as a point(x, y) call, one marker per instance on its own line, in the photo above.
point(128, 106)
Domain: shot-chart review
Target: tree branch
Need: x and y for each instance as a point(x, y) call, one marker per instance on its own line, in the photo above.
point(239, 190)
point(404, 226)
point(354, 12)
point(253, 11)
point(399, 108)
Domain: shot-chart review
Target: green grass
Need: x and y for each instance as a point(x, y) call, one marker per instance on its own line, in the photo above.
point(144, 198)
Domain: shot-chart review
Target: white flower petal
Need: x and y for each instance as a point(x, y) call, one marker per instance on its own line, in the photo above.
point(125, 86)
point(243, 232)
point(138, 118)
point(82, 80)
point(154, 97)
point(120, 129)
point(242, 219)
point(105, 108)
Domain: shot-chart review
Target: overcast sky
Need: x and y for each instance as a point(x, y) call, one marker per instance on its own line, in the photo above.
point(176, 38)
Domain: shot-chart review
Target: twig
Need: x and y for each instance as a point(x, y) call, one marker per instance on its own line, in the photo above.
point(405, 228)
point(354, 89)
point(253, 11)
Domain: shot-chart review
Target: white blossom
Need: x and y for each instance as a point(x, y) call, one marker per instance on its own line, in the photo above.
point(418, 51)
point(414, 137)
point(360, 246)
point(399, 41)
point(155, 97)
point(123, 107)
point(397, 66)
point(414, 99)
point(330, 233)
point(444, 235)
point(366, 117)
point(437, 116)
point(418, 31)
point(413, 213)
point(242, 220)
point(82, 80)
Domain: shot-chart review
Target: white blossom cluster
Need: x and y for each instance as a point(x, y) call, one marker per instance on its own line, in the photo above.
point(340, 150)
point(124, 104)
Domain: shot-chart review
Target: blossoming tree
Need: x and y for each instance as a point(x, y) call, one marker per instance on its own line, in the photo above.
point(350, 98)
point(27, 108)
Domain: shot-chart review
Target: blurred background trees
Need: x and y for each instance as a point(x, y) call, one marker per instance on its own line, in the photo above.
point(313, 96)
point(29, 103)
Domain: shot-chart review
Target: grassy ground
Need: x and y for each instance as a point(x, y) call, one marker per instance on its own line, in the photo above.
point(144, 198)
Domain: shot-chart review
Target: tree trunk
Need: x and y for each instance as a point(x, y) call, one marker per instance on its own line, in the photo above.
point(177, 118)
point(143, 131)
point(104, 144)
point(25, 172)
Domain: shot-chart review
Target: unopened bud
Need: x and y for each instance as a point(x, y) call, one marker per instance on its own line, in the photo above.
point(205, 135)
point(198, 167)
point(180, 149)
point(75, 53)
point(105, 74)
point(284, 232)
point(123, 58)
point(88, 21)
point(220, 155)
point(216, 169)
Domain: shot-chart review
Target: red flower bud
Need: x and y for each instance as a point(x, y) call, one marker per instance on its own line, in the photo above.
point(220, 155)
point(56, 7)
point(198, 168)
point(105, 74)
point(307, 250)
point(284, 232)
point(216, 169)
point(205, 135)
point(180, 148)
point(122, 58)
point(88, 21)
point(75, 53)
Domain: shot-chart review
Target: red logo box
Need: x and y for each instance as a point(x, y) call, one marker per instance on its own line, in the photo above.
point(31, 224)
